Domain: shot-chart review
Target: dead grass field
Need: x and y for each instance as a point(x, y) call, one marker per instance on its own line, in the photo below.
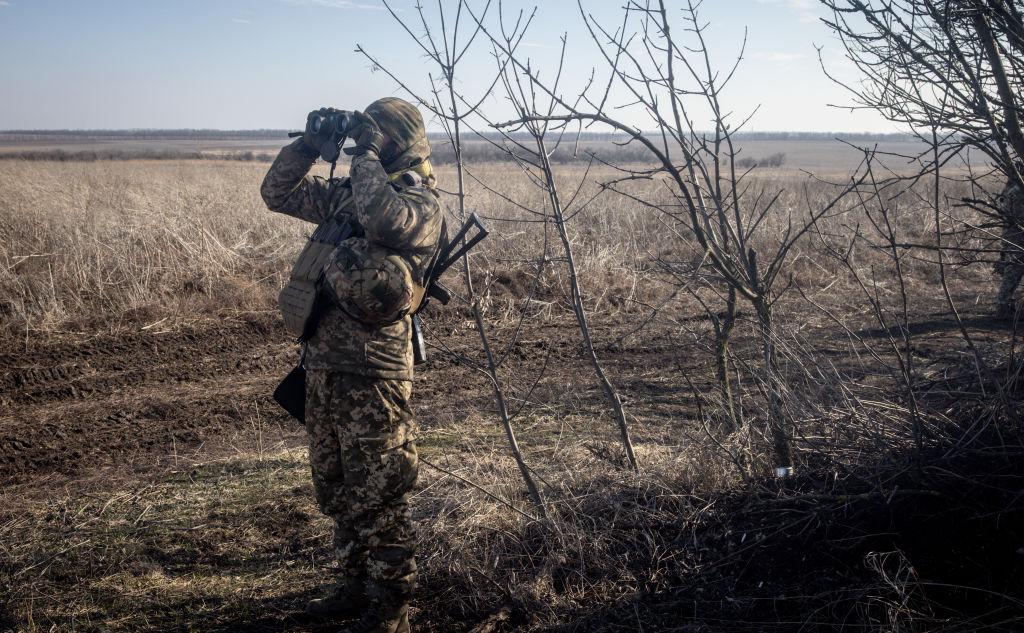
point(87, 241)
point(150, 484)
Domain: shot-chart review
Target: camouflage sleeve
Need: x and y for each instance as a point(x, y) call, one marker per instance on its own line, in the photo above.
point(402, 221)
point(288, 188)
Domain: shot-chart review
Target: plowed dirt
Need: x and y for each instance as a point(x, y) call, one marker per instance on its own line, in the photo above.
point(71, 404)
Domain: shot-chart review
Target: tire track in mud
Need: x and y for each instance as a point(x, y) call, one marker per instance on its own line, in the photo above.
point(69, 405)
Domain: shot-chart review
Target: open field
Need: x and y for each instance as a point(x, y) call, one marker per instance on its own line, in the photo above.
point(149, 483)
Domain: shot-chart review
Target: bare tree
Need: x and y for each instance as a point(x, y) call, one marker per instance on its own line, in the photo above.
point(711, 205)
point(940, 65)
point(950, 72)
point(534, 158)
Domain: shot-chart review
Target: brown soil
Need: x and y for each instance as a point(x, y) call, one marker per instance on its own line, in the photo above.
point(68, 404)
point(71, 403)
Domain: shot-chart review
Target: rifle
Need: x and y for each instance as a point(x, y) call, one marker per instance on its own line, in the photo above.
point(448, 255)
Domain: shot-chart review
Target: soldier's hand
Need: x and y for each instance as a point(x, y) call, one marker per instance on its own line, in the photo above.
point(318, 131)
point(366, 134)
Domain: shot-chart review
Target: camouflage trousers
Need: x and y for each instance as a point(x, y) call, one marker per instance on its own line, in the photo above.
point(1011, 269)
point(364, 463)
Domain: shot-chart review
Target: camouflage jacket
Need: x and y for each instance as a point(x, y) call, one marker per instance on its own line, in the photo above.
point(405, 221)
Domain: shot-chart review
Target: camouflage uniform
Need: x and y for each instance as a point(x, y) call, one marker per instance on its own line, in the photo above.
point(359, 375)
point(1011, 259)
point(364, 461)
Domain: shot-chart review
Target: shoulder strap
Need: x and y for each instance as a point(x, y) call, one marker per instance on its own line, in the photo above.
point(321, 232)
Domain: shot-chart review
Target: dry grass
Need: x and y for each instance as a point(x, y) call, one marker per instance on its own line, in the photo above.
point(88, 243)
point(167, 553)
point(85, 241)
point(236, 543)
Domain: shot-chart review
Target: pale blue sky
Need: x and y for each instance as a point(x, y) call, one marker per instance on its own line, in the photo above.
point(230, 64)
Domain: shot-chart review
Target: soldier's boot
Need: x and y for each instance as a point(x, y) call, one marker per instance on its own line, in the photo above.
point(382, 619)
point(343, 601)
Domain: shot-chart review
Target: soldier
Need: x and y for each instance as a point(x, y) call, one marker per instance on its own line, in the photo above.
point(1011, 258)
point(359, 359)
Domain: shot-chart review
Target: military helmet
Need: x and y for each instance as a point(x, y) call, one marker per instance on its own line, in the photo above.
point(401, 122)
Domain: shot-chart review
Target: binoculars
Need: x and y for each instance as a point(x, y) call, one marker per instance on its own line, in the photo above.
point(330, 124)
point(332, 127)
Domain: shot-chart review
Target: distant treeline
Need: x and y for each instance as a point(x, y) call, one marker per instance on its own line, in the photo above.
point(478, 151)
point(142, 135)
point(275, 134)
point(442, 154)
point(617, 137)
point(777, 159)
point(572, 148)
point(61, 155)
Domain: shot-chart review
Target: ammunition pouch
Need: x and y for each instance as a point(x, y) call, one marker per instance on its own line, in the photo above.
point(299, 301)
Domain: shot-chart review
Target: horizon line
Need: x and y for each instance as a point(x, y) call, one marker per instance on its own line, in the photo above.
point(274, 130)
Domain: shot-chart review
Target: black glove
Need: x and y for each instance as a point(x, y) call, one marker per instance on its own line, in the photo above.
point(315, 137)
point(366, 134)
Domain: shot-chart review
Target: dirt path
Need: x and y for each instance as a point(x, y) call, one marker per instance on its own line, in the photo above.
point(102, 529)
